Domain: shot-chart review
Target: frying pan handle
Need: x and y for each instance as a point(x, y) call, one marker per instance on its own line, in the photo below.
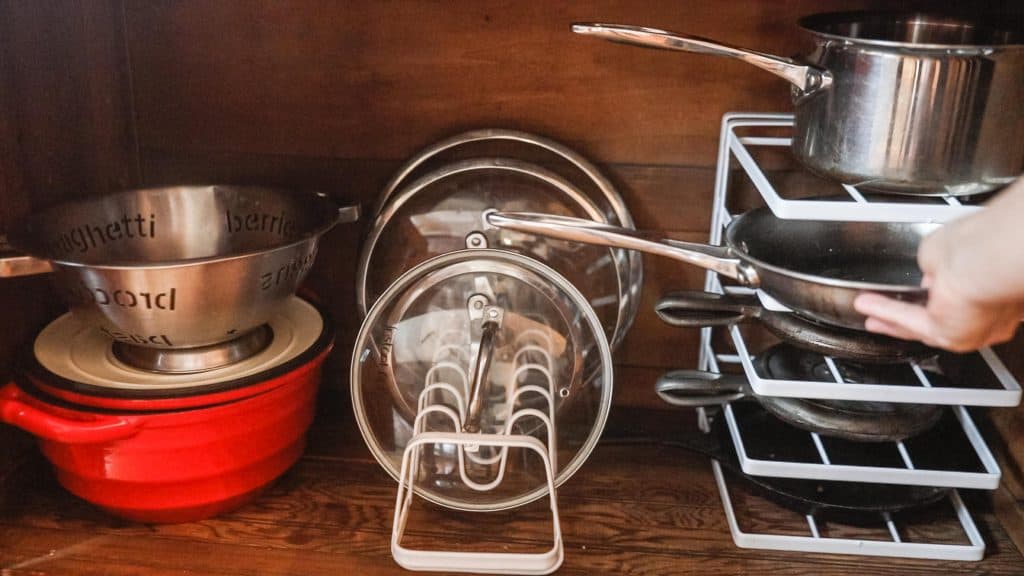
point(14, 264)
point(695, 388)
point(805, 77)
point(717, 258)
point(50, 426)
point(696, 309)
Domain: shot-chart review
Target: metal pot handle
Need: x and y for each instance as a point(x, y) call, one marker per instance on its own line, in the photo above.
point(717, 258)
point(805, 77)
point(14, 264)
point(348, 214)
point(696, 388)
point(490, 321)
point(50, 426)
point(697, 309)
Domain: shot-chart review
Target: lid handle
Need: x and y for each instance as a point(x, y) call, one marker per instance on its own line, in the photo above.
point(490, 321)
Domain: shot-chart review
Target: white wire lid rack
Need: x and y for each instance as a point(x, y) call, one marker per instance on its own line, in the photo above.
point(446, 396)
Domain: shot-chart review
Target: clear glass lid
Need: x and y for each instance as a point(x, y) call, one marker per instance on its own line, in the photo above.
point(434, 215)
point(477, 345)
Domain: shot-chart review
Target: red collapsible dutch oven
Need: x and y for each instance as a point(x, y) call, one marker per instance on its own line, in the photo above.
point(173, 463)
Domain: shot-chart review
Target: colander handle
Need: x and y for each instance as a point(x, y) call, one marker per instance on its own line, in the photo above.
point(14, 263)
point(51, 426)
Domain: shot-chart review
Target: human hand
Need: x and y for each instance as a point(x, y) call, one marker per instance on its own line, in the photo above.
point(958, 316)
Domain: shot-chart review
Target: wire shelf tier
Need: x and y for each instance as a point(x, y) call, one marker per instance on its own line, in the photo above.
point(860, 206)
point(952, 455)
point(817, 541)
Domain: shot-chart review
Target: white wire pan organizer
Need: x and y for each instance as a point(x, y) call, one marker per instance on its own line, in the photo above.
point(827, 462)
point(448, 402)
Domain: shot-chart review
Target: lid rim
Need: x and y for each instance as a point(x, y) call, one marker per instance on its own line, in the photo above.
point(95, 396)
point(407, 280)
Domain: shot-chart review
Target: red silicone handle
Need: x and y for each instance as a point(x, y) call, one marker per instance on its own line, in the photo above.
point(36, 420)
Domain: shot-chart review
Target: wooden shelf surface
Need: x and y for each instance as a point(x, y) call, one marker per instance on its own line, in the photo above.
point(633, 508)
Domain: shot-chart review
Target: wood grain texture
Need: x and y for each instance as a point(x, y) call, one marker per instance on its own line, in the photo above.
point(632, 509)
point(356, 80)
point(66, 130)
point(334, 95)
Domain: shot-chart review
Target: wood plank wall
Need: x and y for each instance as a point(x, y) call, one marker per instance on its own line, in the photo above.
point(335, 95)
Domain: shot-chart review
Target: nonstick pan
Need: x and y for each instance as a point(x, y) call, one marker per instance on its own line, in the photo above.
point(816, 268)
point(696, 309)
point(861, 421)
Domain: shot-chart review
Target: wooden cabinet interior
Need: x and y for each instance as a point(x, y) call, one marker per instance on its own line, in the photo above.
point(335, 95)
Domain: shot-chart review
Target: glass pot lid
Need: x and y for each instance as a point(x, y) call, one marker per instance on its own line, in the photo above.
point(551, 154)
point(485, 342)
point(434, 214)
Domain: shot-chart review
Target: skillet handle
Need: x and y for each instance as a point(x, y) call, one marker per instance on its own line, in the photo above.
point(717, 258)
point(804, 77)
point(696, 309)
point(695, 388)
point(51, 426)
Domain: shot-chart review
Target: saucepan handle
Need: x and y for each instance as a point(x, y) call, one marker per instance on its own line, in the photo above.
point(805, 77)
point(696, 309)
point(695, 388)
point(347, 214)
point(717, 258)
point(51, 426)
point(14, 264)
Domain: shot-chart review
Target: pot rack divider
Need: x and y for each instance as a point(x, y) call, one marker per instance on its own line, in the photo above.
point(826, 460)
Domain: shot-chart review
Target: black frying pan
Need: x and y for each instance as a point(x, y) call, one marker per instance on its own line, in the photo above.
point(860, 421)
point(816, 268)
point(853, 503)
point(696, 309)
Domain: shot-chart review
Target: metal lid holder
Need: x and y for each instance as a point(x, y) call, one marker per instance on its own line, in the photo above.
point(481, 380)
point(467, 441)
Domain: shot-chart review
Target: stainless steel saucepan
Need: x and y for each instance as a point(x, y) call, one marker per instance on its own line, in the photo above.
point(910, 103)
point(816, 268)
point(178, 267)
